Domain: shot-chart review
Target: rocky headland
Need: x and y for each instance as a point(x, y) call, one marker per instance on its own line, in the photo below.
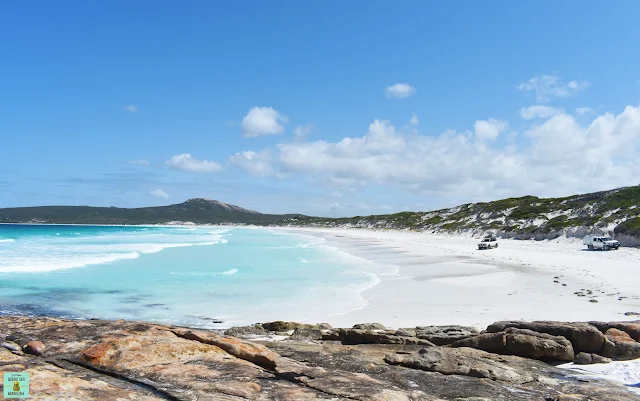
point(510, 360)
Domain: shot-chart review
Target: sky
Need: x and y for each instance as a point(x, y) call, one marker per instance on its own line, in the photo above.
point(328, 108)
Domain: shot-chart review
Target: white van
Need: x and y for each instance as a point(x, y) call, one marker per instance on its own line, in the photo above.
point(600, 242)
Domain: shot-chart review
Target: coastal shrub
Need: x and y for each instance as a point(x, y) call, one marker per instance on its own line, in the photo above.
point(504, 204)
point(433, 220)
point(529, 212)
point(623, 199)
point(630, 227)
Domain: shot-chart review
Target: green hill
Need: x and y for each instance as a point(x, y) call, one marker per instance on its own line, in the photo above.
point(200, 211)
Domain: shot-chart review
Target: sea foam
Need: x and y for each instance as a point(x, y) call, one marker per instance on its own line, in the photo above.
point(40, 251)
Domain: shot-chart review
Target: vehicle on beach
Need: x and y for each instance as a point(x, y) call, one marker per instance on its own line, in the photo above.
point(600, 242)
point(488, 242)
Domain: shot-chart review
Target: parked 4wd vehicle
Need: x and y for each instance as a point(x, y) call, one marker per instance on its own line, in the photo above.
point(600, 242)
point(488, 242)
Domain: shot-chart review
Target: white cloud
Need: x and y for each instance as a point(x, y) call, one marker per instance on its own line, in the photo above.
point(350, 161)
point(261, 121)
point(558, 157)
point(131, 108)
point(576, 86)
point(189, 163)
point(158, 193)
point(256, 164)
point(608, 140)
point(585, 110)
point(548, 87)
point(139, 162)
point(539, 111)
point(489, 129)
point(399, 91)
point(414, 119)
point(300, 132)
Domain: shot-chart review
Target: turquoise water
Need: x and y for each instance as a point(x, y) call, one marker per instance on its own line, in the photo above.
point(197, 276)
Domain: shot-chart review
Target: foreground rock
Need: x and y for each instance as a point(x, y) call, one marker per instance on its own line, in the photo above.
point(36, 348)
point(522, 342)
point(443, 373)
point(369, 326)
point(586, 359)
point(116, 361)
point(619, 345)
point(306, 335)
point(444, 335)
point(583, 336)
point(463, 362)
point(631, 328)
point(281, 326)
point(603, 341)
point(247, 331)
point(360, 336)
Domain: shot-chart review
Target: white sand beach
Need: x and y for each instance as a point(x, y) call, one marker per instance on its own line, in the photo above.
point(435, 279)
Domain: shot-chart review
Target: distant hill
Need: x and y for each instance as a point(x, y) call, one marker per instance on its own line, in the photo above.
point(200, 211)
point(615, 212)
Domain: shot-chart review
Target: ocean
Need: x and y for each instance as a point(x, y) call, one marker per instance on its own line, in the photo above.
point(209, 277)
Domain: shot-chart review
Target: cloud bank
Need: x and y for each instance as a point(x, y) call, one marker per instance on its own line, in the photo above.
point(561, 155)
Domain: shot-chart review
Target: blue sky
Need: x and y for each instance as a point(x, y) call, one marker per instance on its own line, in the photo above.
point(326, 108)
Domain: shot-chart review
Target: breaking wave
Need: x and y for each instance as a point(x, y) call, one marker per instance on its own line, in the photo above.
point(67, 248)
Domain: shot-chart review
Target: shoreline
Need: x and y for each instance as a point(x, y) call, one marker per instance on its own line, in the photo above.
point(444, 279)
point(435, 279)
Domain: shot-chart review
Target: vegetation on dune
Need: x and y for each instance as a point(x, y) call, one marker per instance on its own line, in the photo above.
point(630, 227)
point(527, 215)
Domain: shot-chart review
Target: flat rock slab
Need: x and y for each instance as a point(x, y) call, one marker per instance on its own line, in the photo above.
point(281, 326)
point(365, 336)
point(461, 361)
point(444, 335)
